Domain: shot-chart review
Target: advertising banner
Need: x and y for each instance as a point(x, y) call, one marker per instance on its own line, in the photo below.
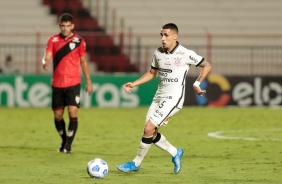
point(238, 91)
point(35, 91)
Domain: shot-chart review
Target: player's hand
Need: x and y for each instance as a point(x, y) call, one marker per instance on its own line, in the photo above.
point(46, 66)
point(89, 88)
point(198, 90)
point(128, 87)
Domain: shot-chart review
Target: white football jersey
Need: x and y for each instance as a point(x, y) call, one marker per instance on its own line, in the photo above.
point(172, 70)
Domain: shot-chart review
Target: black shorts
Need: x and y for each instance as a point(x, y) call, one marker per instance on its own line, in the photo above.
point(62, 97)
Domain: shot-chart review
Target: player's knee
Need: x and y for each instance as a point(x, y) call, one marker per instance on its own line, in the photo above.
point(148, 133)
point(58, 117)
point(72, 111)
point(149, 129)
point(58, 114)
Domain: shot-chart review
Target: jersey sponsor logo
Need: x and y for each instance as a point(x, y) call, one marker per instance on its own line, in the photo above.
point(76, 39)
point(55, 39)
point(193, 59)
point(163, 76)
point(72, 45)
point(159, 112)
point(166, 70)
point(163, 97)
point(180, 52)
point(167, 62)
point(168, 79)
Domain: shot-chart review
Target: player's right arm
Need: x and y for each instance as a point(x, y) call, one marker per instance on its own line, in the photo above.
point(46, 60)
point(145, 78)
point(48, 53)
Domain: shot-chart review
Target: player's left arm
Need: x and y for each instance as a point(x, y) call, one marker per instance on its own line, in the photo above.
point(85, 70)
point(206, 69)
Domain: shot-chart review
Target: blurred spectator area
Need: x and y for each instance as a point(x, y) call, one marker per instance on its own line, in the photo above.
point(106, 55)
point(239, 38)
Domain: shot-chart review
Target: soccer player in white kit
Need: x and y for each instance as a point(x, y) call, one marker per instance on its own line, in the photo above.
point(171, 63)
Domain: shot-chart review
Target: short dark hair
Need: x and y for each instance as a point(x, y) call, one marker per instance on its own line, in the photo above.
point(171, 26)
point(66, 17)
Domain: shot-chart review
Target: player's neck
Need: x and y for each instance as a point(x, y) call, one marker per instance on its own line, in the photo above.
point(68, 36)
point(172, 47)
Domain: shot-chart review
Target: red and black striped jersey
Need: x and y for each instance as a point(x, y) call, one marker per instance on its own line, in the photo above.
point(66, 59)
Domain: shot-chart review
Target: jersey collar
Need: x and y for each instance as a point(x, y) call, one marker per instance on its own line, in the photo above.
point(172, 51)
point(63, 37)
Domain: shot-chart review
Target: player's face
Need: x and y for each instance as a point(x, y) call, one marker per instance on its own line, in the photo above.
point(169, 38)
point(66, 28)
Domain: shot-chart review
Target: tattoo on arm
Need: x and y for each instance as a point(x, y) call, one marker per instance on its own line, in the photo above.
point(206, 67)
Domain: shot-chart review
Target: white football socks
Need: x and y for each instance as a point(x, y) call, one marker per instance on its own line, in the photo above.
point(144, 148)
point(141, 153)
point(165, 145)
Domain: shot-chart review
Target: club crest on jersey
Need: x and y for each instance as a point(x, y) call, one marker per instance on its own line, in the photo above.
point(177, 61)
point(72, 45)
point(77, 99)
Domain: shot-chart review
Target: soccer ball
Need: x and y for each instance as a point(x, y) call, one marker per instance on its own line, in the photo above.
point(97, 168)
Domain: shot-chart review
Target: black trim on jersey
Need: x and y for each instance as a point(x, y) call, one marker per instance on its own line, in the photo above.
point(60, 54)
point(182, 94)
point(177, 44)
point(168, 114)
point(200, 62)
point(162, 50)
point(185, 74)
point(155, 68)
point(183, 87)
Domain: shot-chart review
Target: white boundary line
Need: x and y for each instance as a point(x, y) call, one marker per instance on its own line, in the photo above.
point(219, 135)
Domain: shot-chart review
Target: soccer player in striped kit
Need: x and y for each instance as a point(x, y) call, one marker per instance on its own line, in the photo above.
point(68, 52)
point(171, 63)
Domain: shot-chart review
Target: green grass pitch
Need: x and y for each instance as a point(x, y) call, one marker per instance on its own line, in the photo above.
point(29, 142)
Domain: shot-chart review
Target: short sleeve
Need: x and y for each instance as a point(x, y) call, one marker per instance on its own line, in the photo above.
point(82, 48)
point(49, 47)
point(194, 58)
point(154, 63)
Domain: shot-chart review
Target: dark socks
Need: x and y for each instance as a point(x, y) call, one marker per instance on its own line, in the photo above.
point(71, 133)
point(60, 126)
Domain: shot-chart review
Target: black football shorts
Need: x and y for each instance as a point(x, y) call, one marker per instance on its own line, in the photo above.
point(69, 96)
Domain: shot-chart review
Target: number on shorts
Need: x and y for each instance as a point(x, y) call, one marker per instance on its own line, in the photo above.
point(162, 104)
